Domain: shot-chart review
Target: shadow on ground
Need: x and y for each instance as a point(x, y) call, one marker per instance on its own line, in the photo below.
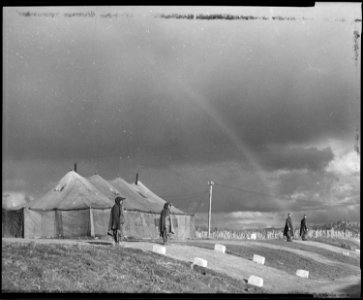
point(353, 290)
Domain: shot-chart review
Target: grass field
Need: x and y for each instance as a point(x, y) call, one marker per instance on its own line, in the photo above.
point(95, 269)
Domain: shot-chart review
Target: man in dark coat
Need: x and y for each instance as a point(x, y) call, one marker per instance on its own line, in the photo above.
point(288, 230)
point(303, 229)
point(165, 223)
point(117, 220)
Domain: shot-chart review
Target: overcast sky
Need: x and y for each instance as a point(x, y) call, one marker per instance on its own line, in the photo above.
point(268, 108)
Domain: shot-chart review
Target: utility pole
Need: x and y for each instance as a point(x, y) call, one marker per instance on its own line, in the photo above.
point(210, 183)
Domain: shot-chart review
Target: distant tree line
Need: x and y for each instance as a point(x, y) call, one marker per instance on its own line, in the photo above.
point(80, 14)
point(225, 17)
point(228, 17)
point(35, 14)
point(115, 15)
point(54, 14)
point(171, 16)
point(176, 16)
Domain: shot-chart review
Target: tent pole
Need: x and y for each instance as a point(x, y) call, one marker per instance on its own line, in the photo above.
point(91, 222)
point(211, 183)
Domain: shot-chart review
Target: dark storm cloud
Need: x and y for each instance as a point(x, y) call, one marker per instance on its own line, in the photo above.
point(235, 189)
point(82, 84)
point(305, 181)
point(291, 158)
point(228, 200)
point(180, 101)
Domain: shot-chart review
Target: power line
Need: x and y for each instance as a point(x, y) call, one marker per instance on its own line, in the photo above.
point(192, 197)
point(243, 190)
point(186, 200)
point(324, 206)
point(198, 205)
point(183, 195)
point(253, 192)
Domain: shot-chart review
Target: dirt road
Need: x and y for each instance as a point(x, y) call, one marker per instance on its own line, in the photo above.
point(275, 280)
point(285, 247)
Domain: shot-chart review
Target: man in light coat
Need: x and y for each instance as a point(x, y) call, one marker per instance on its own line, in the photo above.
point(166, 223)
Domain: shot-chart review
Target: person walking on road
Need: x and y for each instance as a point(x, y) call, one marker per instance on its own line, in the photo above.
point(288, 230)
point(166, 224)
point(303, 229)
point(117, 220)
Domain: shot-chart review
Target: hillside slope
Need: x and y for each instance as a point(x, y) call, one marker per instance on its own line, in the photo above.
point(65, 266)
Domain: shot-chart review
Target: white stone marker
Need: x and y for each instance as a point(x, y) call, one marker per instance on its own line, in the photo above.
point(346, 253)
point(254, 280)
point(220, 248)
point(258, 259)
point(159, 249)
point(253, 236)
point(302, 273)
point(200, 262)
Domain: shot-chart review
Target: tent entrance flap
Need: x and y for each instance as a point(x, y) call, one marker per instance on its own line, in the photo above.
point(13, 223)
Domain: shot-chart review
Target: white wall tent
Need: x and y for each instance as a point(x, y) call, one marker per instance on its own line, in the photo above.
point(66, 210)
point(79, 207)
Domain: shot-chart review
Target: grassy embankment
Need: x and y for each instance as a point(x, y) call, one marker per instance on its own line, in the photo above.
point(95, 268)
point(342, 243)
point(289, 261)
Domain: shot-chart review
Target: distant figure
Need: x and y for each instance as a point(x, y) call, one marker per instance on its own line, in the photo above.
point(303, 229)
point(165, 223)
point(117, 220)
point(288, 230)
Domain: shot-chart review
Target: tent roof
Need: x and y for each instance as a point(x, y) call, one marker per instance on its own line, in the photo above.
point(72, 192)
point(13, 200)
point(104, 186)
point(138, 197)
point(133, 199)
point(152, 197)
point(76, 192)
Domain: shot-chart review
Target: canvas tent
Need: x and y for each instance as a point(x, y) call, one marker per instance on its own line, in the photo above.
point(78, 207)
point(183, 223)
point(12, 214)
point(142, 211)
point(66, 210)
point(156, 201)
